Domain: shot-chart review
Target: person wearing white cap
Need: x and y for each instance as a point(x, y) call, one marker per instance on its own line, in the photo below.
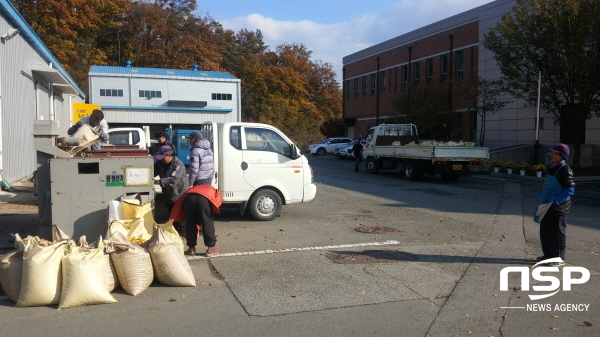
point(553, 205)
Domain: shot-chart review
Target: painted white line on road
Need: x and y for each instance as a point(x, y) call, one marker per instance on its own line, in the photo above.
point(287, 250)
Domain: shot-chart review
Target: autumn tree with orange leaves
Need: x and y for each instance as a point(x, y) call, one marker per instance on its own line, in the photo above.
point(282, 87)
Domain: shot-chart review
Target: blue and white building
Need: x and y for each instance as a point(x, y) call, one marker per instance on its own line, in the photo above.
point(133, 96)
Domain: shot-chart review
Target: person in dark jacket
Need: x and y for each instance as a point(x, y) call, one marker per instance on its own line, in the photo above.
point(161, 138)
point(357, 150)
point(554, 203)
point(202, 167)
point(173, 180)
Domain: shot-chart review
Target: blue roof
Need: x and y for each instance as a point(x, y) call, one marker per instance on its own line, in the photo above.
point(159, 72)
point(15, 19)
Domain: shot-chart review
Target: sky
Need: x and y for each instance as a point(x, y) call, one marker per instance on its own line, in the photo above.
point(331, 29)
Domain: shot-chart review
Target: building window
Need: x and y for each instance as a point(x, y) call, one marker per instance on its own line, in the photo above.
point(221, 97)
point(383, 81)
point(150, 93)
point(373, 83)
point(404, 76)
point(417, 72)
point(443, 68)
point(429, 70)
point(460, 64)
point(348, 90)
point(364, 85)
point(356, 87)
point(111, 92)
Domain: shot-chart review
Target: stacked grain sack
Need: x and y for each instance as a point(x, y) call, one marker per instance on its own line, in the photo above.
point(66, 274)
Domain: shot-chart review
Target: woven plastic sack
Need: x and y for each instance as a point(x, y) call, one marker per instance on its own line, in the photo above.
point(11, 266)
point(110, 274)
point(83, 278)
point(58, 235)
point(11, 270)
point(143, 228)
point(111, 280)
point(170, 265)
point(42, 274)
point(133, 210)
point(132, 263)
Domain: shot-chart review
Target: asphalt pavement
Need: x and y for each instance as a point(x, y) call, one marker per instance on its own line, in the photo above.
point(436, 272)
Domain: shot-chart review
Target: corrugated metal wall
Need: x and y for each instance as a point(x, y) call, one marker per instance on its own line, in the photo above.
point(21, 104)
point(142, 117)
point(18, 108)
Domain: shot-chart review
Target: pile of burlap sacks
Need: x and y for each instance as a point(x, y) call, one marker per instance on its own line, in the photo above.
point(70, 274)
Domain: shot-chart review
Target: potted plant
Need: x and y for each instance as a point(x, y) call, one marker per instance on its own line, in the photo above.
point(539, 168)
point(496, 164)
point(523, 166)
point(510, 166)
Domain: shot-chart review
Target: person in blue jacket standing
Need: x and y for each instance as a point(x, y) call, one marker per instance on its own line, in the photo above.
point(553, 205)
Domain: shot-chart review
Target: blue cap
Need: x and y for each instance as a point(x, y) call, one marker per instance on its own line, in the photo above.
point(196, 135)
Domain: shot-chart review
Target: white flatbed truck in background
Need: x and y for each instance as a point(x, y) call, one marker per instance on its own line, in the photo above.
point(397, 146)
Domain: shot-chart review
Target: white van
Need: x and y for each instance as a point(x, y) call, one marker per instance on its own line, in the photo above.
point(258, 168)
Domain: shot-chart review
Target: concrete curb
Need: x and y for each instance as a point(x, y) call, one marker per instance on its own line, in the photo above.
point(536, 179)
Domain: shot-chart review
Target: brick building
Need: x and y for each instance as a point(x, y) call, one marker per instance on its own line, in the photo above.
point(446, 58)
point(448, 55)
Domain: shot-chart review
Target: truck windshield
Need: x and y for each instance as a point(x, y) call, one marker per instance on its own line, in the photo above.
point(265, 140)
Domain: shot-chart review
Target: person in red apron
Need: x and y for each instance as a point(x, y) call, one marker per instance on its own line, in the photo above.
point(553, 205)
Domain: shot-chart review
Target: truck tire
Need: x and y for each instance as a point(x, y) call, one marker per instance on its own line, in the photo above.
point(265, 205)
point(372, 165)
point(321, 151)
point(411, 172)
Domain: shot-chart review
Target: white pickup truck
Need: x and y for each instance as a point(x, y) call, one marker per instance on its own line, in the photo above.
point(130, 136)
point(258, 168)
point(397, 146)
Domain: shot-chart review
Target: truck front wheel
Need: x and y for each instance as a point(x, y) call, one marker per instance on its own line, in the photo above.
point(265, 205)
point(372, 165)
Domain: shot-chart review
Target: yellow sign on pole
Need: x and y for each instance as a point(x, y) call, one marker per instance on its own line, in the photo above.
point(81, 110)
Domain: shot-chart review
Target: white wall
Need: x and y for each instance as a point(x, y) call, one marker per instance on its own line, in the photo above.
point(129, 108)
point(23, 100)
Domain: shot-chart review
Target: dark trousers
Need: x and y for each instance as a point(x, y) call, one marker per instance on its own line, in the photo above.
point(356, 162)
point(553, 234)
point(198, 211)
point(178, 226)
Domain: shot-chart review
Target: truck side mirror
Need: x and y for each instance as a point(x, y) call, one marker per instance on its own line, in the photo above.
point(292, 152)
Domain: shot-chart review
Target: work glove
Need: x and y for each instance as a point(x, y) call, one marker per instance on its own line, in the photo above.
point(74, 128)
point(104, 135)
point(157, 178)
